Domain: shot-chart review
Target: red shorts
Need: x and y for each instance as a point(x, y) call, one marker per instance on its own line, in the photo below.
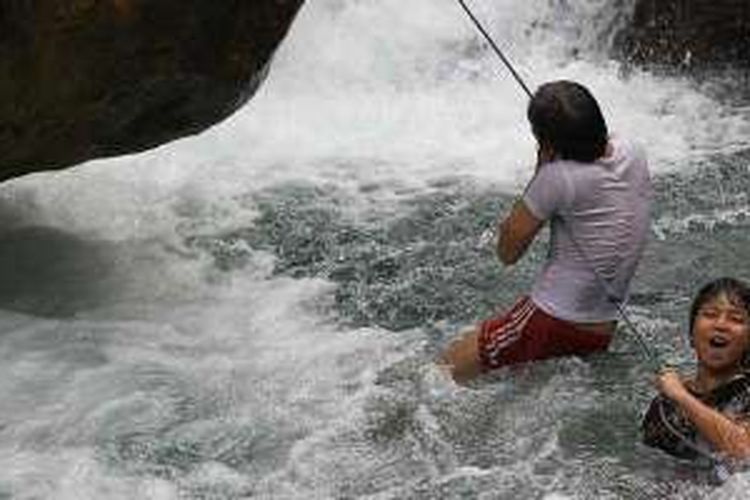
point(526, 333)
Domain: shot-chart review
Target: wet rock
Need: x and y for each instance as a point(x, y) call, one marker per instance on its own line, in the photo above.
point(688, 34)
point(82, 79)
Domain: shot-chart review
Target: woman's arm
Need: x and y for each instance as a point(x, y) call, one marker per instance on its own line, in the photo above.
point(725, 434)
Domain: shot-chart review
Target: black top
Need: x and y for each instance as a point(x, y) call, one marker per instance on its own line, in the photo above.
point(732, 397)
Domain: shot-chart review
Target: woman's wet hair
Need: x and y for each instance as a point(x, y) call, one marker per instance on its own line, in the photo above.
point(736, 291)
point(566, 115)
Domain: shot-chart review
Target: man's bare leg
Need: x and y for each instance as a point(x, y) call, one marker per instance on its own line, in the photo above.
point(461, 358)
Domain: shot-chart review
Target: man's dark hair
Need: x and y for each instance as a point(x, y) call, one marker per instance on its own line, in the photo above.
point(566, 115)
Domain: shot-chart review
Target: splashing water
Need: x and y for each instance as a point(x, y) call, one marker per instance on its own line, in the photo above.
point(253, 312)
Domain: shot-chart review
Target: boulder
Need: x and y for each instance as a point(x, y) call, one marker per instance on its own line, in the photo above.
point(83, 79)
point(688, 34)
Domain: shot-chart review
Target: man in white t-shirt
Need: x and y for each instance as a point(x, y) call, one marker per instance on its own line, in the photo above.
point(595, 190)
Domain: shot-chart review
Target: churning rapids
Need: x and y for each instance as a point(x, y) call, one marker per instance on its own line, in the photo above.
point(252, 313)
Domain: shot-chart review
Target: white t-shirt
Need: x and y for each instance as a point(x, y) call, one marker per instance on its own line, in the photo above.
point(605, 206)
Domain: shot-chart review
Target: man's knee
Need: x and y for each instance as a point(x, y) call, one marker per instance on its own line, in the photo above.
point(462, 357)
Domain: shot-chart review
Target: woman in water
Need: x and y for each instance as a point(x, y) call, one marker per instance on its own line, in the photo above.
point(594, 189)
point(708, 413)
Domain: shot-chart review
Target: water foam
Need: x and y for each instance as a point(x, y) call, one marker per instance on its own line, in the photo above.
point(182, 368)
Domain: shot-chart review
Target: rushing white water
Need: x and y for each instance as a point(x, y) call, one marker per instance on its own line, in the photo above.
point(135, 366)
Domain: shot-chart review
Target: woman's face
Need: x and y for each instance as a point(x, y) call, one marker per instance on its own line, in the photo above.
point(721, 334)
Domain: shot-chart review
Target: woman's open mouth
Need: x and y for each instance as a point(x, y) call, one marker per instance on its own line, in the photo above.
point(718, 341)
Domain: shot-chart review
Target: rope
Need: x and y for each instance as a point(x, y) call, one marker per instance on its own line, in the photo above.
point(721, 468)
point(495, 48)
point(650, 355)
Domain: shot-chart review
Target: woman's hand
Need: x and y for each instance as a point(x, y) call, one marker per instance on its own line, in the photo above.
point(669, 383)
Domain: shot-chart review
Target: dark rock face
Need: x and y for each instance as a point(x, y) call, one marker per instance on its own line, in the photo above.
point(688, 33)
point(82, 79)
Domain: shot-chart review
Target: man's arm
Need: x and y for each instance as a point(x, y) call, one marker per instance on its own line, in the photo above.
point(519, 228)
point(516, 232)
